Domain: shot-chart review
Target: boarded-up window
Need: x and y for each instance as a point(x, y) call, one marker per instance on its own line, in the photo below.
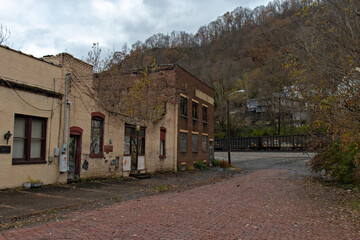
point(195, 110)
point(97, 135)
point(194, 142)
point(204, 143)
point(183, 142)
point(204, 114)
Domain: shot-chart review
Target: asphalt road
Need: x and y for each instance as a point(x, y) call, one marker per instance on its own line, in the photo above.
point(295, 162)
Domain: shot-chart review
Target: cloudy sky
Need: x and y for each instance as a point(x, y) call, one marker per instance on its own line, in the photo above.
point(42, 27)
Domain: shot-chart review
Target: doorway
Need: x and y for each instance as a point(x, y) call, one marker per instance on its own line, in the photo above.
point(74, 157)
point(211, 153)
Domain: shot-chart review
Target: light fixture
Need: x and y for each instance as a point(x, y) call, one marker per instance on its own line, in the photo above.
point(7, 136)
point(137, 128)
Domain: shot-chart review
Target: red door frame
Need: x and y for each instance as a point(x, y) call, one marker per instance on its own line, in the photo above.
point(77, 131)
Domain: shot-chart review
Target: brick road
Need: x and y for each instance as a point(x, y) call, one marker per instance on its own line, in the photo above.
point(265, 204)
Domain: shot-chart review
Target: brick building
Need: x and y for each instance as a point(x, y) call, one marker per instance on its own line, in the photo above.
point(189, 110)
point(195, 119)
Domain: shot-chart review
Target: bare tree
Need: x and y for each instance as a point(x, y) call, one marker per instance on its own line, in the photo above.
point(5, 34)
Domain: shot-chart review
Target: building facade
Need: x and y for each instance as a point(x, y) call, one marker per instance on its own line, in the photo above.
point(56, 128)
point(30, 112)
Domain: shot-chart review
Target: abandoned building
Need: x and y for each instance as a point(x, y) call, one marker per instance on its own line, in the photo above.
point(57, 128)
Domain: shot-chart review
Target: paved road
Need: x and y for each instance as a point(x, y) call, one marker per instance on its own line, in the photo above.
point(270, 203)
point(295, 162)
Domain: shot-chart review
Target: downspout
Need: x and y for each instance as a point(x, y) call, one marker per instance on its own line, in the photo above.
point(63, 158)
point(69, 125)
point(176, 139)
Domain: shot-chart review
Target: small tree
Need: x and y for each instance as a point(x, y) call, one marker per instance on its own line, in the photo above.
point(325, 67)
point(139, 94)
point(5, 34)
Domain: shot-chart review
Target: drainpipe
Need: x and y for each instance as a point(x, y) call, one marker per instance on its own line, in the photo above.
point(63, 157)
point(69, 125)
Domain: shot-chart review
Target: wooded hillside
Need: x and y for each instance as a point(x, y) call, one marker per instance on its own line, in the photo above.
point(243, 49)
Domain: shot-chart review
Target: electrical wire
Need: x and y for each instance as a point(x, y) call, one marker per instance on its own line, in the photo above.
point(26, 102)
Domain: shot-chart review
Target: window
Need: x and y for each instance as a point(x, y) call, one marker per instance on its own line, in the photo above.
point(97, 135)
point(29, 140)
point(194, 143)
point(162, 142)
point(204, 114)
point(195, 110)
point(132, 138)
point(183, 142)
point(183, 106)
point(204, 143)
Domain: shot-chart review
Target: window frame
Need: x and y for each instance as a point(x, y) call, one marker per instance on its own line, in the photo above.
point(207, 143)
point(183, 106)
point(182, 150)
point(97, 116)
point(27, 141)
point(195, 110)
point(135, 136)
point(204, 114)
point(163, 142)
point(195, 150)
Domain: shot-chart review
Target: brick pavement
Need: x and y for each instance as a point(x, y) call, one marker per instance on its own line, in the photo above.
point(266, 204)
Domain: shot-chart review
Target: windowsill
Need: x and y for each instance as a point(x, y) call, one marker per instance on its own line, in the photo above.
point(195, 120)
point(195, 152)
point(184, 116)
point(205, 122)
point(162, 156)
point(129, 155)
point(182, 152)
point(24, 162)
point(93, 155)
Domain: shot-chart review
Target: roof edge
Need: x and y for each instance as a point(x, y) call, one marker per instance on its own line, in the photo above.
point(28, 55)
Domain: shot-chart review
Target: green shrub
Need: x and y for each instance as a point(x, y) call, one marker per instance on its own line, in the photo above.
point(338, 160)
point(216, 163)
point(200, 165)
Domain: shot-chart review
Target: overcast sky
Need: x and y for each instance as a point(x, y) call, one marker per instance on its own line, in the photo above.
point(42, 27)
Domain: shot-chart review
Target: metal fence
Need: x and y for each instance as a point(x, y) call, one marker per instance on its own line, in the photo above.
point(286, 143)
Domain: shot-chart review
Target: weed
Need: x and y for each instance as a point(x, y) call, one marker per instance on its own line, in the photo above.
point(190, 168)
point(224, 164)
point(216, 163)
point(200, 165)
point(117, 178)
point(355, 204)
point(160, 188)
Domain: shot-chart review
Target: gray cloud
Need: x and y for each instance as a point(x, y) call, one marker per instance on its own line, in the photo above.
point(42, 27)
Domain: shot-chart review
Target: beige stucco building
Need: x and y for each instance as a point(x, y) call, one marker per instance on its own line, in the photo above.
point(32, 109)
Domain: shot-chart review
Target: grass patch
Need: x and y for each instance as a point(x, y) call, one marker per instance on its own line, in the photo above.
point(161, 188)
point(355, 204)
point(200, 165)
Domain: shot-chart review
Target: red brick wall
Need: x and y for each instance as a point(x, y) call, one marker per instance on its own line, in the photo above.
point(187, 84)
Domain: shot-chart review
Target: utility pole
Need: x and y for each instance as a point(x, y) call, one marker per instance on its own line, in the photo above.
point(228, 122)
